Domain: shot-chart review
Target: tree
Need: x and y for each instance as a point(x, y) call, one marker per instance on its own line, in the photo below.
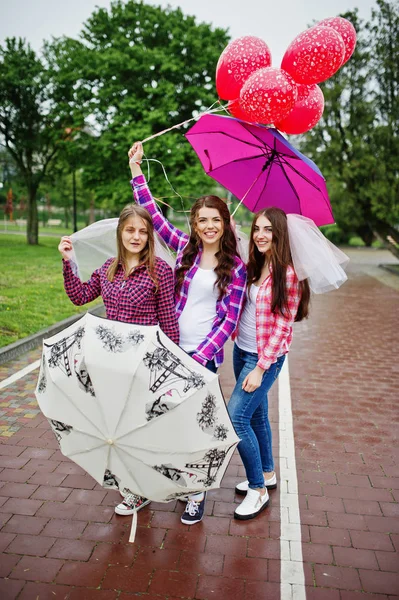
point(34, 113)
point(139, 69)
point(356, 142)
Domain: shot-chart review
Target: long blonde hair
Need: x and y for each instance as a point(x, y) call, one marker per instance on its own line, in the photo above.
point(147, 256)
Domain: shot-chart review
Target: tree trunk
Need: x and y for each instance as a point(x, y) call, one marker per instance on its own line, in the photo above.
point(388, 236)
point(32, 229)
point(92, 216)
point(66, 217)
point(367, 234)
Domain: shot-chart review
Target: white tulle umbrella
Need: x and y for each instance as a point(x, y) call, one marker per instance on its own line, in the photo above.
point(96, 243)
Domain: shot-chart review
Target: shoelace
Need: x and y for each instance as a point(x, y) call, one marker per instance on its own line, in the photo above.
point(192, 508)
point(131, 500)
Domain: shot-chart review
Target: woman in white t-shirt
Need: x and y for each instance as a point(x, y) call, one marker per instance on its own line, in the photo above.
point(210, 282)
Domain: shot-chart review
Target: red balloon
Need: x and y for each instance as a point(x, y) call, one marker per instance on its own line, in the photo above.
point(268, 95)
point(234, 108)
point(307, 111)
point(347, 32)
point(237, 62)
point(314, 55)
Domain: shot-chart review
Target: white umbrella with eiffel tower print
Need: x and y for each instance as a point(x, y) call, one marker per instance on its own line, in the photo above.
point(134, 410)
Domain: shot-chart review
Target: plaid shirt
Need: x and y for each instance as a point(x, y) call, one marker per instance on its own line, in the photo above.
point(131, 300)
point(227, 309)
point(274, 331)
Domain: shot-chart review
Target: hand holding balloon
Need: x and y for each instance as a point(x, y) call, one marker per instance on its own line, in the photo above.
point(135, 157)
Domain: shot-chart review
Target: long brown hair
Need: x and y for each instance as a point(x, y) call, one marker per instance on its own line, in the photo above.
point(226, 256)
point(147, 256)
point(280, 258)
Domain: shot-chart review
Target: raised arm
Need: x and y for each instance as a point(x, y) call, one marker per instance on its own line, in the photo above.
point(172, 236)
point(165, 303)
point(78, 292)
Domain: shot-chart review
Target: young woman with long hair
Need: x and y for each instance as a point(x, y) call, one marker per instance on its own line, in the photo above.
point(136, 287)
point(274, 300)
point(210, 281)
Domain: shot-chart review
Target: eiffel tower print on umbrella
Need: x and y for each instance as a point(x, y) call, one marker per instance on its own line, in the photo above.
point(152, 420)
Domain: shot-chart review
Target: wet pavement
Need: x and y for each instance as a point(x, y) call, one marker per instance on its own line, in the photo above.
point(60, 538)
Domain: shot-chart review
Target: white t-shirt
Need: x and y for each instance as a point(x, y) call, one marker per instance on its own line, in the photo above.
point(196, 319)
point(246, 338)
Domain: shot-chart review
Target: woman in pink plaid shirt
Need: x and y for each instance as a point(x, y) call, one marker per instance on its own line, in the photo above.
point(136, 286)
point(210, 280)
point(275, 299)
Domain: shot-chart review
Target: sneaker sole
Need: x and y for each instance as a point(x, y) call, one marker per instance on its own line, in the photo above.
point(126, 513)
point(253, 515)
point(191, 522)
point(268, 487)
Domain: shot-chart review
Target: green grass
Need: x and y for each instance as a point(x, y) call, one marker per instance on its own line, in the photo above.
point(55, 231)
point(32, 294)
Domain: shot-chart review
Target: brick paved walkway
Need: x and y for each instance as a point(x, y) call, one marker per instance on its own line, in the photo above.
point(60, 538)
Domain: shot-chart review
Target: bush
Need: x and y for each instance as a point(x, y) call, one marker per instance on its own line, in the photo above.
point(336, 235)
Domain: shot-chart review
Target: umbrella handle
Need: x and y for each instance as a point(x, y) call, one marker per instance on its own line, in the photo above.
point(247, 192)
point(133, 528)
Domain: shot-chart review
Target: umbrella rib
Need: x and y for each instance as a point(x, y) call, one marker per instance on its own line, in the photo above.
point(263, 188)
point(229, 135)
point(69, 398)
point(239, 160)
point(88, 449)
point(288, 164)
point(310, 183)
point(126, 466)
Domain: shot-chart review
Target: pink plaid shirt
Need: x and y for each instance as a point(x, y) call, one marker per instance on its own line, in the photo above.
point(274, 331)
point(131, 300)
point(227, 309)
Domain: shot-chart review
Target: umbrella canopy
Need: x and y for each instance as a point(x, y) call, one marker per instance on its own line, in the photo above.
point(260, 167)
point(134, 410)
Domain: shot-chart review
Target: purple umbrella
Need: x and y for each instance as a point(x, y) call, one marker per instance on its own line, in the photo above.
point(260, 167)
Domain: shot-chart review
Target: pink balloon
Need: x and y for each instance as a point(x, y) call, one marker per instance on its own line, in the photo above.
point(347, 32)
point(234, 108)
point(268, 95)
point(307, 111)
point(314, 55)
point(237, 62)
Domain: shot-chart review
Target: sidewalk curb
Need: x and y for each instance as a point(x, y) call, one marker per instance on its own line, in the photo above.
point(388, 267)
point(34, 341)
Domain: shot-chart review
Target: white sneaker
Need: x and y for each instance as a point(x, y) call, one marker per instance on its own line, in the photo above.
point(252, 505)
point(270, 484)
point(131, 503)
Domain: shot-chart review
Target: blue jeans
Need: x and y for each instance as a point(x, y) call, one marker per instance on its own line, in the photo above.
point(249, 415)
point(210, 365)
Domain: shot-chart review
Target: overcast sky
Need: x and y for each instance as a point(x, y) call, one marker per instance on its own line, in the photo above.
point(277, 22)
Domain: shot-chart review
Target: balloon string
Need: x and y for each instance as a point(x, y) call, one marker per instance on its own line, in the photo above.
point(208, 111)
point(161, 201)
point(148, 160)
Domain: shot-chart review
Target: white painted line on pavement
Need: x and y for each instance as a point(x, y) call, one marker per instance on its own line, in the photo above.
point(292, 573)
point(19, 374)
